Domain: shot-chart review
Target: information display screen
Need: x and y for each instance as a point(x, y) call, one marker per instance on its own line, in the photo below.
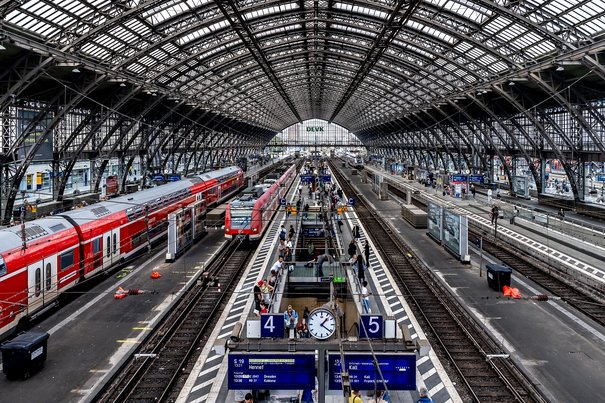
point(398, 371)
point(520, 186)
point(307, 178)
point(271, 371)
point(476, 178)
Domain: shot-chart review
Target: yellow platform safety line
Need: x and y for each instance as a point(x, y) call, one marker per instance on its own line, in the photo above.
point(141, 328)
point(133, 341)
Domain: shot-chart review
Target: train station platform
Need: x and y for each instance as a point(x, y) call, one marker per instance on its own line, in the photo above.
point(208, 380)
point(559, 348)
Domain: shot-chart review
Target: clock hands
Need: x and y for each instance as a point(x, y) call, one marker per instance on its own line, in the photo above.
point(323, 324)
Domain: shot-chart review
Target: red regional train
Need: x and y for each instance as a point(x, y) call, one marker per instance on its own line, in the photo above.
point(45, 257)
point(250, 215)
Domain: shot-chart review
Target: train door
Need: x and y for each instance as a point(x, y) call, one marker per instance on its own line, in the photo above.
point(115, 245)
point(41, 283)
point(111, 248)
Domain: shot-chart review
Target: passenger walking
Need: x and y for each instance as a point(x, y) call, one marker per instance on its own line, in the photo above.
point(366, 252)
point(356, 233)
point(494, 214)
point(355, 397)
point(561, 213)
point(282, 233)
point(489, 196)
point(473, 190)
point(266, 290)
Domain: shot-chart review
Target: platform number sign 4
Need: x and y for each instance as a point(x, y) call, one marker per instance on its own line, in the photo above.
point(272, 325)
point(371, 326)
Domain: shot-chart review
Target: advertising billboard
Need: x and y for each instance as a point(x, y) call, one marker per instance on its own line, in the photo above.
point(520, 186)
point(434, 220)
point(455, 233)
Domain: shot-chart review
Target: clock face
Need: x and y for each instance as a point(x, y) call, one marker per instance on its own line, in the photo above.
point(322, 323)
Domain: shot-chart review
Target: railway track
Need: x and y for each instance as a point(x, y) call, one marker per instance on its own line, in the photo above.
point(587, 301)
point(461, 344)
point(151, 373)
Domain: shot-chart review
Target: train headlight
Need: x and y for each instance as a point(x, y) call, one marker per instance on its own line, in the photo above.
point(254, 229)
point(227, 229)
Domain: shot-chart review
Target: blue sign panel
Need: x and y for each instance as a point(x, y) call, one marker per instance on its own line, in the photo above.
point(351, 201)
point(326, 178)
point(174, 178)
point(476, 178)
point(271, 371)
point(459, 178)
point(307, 178)
point(371, 326)
point(282, 201)
point(272, 325)
point(158, 178)
point(601, 178)
point(312, 232)
point(398, 370)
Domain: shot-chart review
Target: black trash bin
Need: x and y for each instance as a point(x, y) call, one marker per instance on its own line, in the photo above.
point(498, 276)
point(24, 355)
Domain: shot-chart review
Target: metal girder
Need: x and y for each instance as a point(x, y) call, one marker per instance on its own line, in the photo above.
point(237, 22)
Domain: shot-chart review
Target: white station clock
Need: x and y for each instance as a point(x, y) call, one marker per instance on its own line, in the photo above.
point(322, 323)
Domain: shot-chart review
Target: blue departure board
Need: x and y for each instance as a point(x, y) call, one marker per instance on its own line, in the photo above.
point(271, 371)
point(398, 371)
point(476, 178)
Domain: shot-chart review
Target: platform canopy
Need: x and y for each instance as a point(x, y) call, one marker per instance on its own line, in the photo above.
point(356, 63)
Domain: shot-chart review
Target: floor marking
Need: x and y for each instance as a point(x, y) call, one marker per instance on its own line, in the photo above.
point(128, 341)
point(142, 328)
point(202, 385)
point(435, 389)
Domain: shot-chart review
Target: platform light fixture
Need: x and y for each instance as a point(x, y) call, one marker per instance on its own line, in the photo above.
point(2, 47)
point(75, 70)
point(559, 67)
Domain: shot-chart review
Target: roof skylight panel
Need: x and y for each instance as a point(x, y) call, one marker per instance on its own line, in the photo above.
point(96, 51)
point(430, 31)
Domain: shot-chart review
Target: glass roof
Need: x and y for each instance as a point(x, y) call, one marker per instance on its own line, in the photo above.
point(275, 62)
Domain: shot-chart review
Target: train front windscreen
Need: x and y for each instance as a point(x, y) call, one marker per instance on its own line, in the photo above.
point(241, 218)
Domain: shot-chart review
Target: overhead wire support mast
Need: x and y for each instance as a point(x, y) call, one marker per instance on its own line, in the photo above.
point(382, 41)
point(243, 31)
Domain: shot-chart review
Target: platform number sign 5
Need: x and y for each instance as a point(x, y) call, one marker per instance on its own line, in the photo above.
point(272, 325)
point(371, 326)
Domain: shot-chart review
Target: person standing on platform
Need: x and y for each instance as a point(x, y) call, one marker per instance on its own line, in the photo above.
point(282, 233)
point(473, 190)
point(424, 396)
point(561, 213)
point(366, 252)
point(310, 250)
point(356, 232)
point(489, 196)
point(291, 320)
point(352, 250)
point(515, 215)
point(365, 297)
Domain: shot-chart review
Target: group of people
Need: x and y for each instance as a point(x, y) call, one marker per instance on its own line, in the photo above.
point(300, 330)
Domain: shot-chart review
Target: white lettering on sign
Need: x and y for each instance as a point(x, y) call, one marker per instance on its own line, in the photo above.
point(37, 352)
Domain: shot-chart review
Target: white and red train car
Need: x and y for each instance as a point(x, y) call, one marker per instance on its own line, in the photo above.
point(249, 216)
point(50, 255)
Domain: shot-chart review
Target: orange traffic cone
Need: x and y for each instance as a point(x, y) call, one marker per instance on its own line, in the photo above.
point(121, 293)
point(155, 275)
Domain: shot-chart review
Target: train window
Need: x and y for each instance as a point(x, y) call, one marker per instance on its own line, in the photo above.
point(38, 280)
point(96, 245)
point(108, 243)
point(48, 276)
point(115, 243)
point(3, 269)
point(67, 260)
